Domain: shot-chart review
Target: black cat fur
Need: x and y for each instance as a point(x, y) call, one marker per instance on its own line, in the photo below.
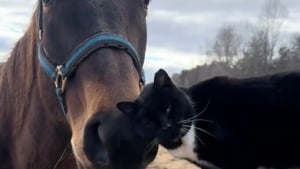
point(237, 123)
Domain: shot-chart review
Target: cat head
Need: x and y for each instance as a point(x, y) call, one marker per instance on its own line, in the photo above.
point(159, 109)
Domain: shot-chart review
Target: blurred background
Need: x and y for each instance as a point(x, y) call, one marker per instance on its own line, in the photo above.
point(194, 39)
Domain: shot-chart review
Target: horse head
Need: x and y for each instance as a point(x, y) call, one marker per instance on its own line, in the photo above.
point(90, 56)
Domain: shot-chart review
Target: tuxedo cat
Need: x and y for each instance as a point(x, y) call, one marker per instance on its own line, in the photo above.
point(223, 122)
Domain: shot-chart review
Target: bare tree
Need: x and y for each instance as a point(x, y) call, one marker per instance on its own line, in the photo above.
point(262, 44)
point(248, 50)
point(296, 45)
point(227, 44)
point(273, 14)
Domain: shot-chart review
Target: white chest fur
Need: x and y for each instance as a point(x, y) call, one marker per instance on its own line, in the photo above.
point(186, 150)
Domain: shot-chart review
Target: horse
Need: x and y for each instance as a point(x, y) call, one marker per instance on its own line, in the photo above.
point(61, 83)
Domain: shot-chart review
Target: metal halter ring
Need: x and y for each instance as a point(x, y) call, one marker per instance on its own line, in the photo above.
point(60, 81)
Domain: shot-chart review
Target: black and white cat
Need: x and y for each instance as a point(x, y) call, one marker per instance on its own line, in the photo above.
point(223, 122)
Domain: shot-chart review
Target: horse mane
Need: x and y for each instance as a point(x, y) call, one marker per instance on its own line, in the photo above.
point(18, 77)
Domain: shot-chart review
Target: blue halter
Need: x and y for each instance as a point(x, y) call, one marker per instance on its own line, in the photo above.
point(60, 73)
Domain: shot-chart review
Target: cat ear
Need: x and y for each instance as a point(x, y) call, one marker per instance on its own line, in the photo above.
point(128, 108)
point(162, 79)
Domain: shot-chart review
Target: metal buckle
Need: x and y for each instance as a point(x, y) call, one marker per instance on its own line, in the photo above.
point(60, 81)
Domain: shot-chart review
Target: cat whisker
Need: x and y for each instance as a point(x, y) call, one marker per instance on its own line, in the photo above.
point(151, 145)
point(195, 120)
point(197, 115)
point(193, 117)
point(201, 141)
point(204, 131)
point(197, 137)
point(185, 129)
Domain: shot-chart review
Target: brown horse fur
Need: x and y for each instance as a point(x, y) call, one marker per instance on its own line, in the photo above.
point(29, 136)
point(33, 130)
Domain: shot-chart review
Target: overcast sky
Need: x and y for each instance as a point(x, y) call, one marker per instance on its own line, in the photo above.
point(179, 31)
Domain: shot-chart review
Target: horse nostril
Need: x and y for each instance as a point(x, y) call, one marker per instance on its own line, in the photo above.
point(92, 144)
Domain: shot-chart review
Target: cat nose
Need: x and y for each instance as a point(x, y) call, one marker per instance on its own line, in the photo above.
point(166, 126)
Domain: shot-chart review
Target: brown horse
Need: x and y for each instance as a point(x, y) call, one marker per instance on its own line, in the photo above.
point(60, 86)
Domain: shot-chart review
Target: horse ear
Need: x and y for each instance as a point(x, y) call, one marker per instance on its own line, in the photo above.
point(162, 79)
point(128, 108)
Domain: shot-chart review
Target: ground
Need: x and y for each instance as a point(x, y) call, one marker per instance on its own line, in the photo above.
point(165, 161)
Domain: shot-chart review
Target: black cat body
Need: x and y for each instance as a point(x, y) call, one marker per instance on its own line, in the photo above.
point(257, 121)
point(227, 123)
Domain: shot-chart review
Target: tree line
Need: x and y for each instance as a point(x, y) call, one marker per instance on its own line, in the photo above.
point(252, 51)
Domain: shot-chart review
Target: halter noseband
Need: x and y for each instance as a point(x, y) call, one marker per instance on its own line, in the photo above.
point(60, 73)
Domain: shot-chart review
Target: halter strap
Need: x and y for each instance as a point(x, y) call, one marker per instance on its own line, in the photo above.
point(60, 73)
point(82, 51)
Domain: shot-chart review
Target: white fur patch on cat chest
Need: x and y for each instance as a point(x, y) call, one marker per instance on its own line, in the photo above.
point(186, 150)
